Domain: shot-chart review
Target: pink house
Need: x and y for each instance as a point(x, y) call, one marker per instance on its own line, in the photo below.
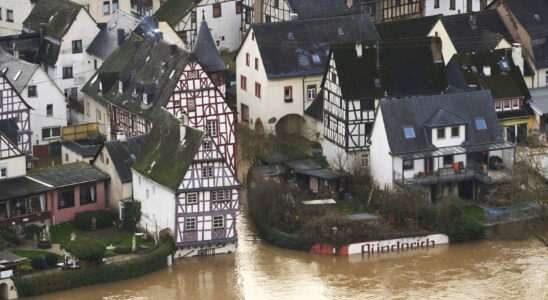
point(52, 195)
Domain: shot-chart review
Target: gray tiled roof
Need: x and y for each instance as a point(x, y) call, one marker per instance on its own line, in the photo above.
point(15, 65)
point(69, 174)
point(310, 9)
point(417, 111)
point(416, 27)
point(9, 128)
point(84, 148)
point(299, 48)
point(20, 186)
point(56, 15)
point(106, 41)
point(206, 50)
point(525, 11)
point(123, 154)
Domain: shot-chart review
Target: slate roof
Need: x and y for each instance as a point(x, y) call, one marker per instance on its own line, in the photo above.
point(310, 9)
point(69, 174)
point(84, 148)
point(57, 15)
point(417, 111)
point(137, 62)
point(20, 186)
point(539, 101)
point(502, 83)
point(300, 48)
point(123, 154)
point(15, 65)
point(488, 31)
point(106, 41)
point(206, 50)
point(163, 158)
point(315, 109)
point(26, 44)
point(525, 11)
point(311, 168)
point(9, 128)
point(406, 67)
point(416, 27)
point(173, 11)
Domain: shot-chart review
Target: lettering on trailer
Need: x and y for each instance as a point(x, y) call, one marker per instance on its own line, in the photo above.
point(398, 244)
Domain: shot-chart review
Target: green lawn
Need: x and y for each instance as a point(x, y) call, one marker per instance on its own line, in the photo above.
point(475, 212)
point(60, 234)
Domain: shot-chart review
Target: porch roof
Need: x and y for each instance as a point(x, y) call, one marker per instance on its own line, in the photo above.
point(19, 187)
point(457, 150)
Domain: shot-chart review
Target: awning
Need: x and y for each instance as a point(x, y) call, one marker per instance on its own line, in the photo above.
point(457, 150)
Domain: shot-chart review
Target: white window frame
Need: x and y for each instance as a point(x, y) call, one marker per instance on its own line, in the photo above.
point(311, 92)
point(218, 222)
point(515, 103)
point(190, 224)
point(207, 172)
point(364, 159)
point(192, 198)
point(3, 171)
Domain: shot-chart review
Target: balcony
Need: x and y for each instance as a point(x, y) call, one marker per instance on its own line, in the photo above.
point(481, 173)
point(26, 218)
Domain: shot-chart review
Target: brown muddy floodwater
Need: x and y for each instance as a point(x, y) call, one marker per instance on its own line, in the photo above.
point(479, 270)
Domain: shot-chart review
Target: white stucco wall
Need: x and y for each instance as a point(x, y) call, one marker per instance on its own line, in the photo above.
point(381, 163)
point(447, 47)
point(158, 209)
point(448, 140)
point(21, 9)
point(16, 166)
point(83, 28)
point(444, 8)
point(47, 92)
point(96, 112)
point(225, 29)
point(96, 8)
point(272, 103)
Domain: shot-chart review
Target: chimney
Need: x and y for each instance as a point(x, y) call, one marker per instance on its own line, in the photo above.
point(42, 31)
point(517, 56)
point(183, 125)
point(359, 50)
point(121, 136)
point(121, 36)
point(172, 49)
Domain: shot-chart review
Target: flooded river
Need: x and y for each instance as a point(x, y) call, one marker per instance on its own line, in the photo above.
point(479, 270)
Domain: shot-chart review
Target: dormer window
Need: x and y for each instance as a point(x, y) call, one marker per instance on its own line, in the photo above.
point(480, 124)
point(163, 66)
point(147, 98)
point(409, 132)
point(120, 87)
point(17, 75)
point(455, 131)
point(441, 133)
point(135, 93)
point(100, 86)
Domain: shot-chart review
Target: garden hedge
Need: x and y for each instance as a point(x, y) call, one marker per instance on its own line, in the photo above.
point(58, 281)
point(282, 239)
point(82, 220)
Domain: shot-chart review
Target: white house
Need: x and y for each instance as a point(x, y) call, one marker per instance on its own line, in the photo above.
point(186, 186)
point(286, 10)
point(447, 145)
point(102, 10)
point(12, 15)
point(359, 77)
point(228, 20)
point(279, 68)
point(116, 158)
point(68, 29)
point(32, 83)
point(12, 160)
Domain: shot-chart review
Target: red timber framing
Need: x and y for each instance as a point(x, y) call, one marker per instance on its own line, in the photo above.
point(209, 192)
point(12, 105)
point(122, 120)
point(207, 109)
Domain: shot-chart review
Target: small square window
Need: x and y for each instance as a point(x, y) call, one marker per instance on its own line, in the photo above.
point(311, 92)
point(207, 172)
point(190, 223)
point(506, 104)
point(217, 12)
point(455, 131)
point(67, 72)
point(515, 103)
point(32, 91)
point(106, 8)
point(408, 165)
point(3, 171)
point(288, 93)
point(191, 198)
point(441, 133)
point(409, 132)
point(218, 222)
point(77, 46)
point(498, 105)
point(49, 110)
point(206, 145)
point(480, 124)
point(448, 160)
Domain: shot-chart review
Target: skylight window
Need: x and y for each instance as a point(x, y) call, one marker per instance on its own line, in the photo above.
point(316, 58)
point(5, 70)
point(480, 124)
point(340, 31)
point(171, 74)
point(409, 132)
point(290, 36)
point(17, 75)
point(113, 25)
point(377, 82)
point(504, 65)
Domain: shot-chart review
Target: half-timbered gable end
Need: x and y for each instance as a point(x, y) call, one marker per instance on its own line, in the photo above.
point(185, 184)
point(206, 107)
point(12, 105)
point(228, 19)
point(12, 160)
point(360, 75)
point(285, 10)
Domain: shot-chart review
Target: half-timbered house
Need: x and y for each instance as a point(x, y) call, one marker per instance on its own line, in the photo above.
point(185, 185)
point(228, 20)
point(286, 10)
point(12, 160)
point(12, 105)
point(280, 66)
point(359, 76)
point(496, 71)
